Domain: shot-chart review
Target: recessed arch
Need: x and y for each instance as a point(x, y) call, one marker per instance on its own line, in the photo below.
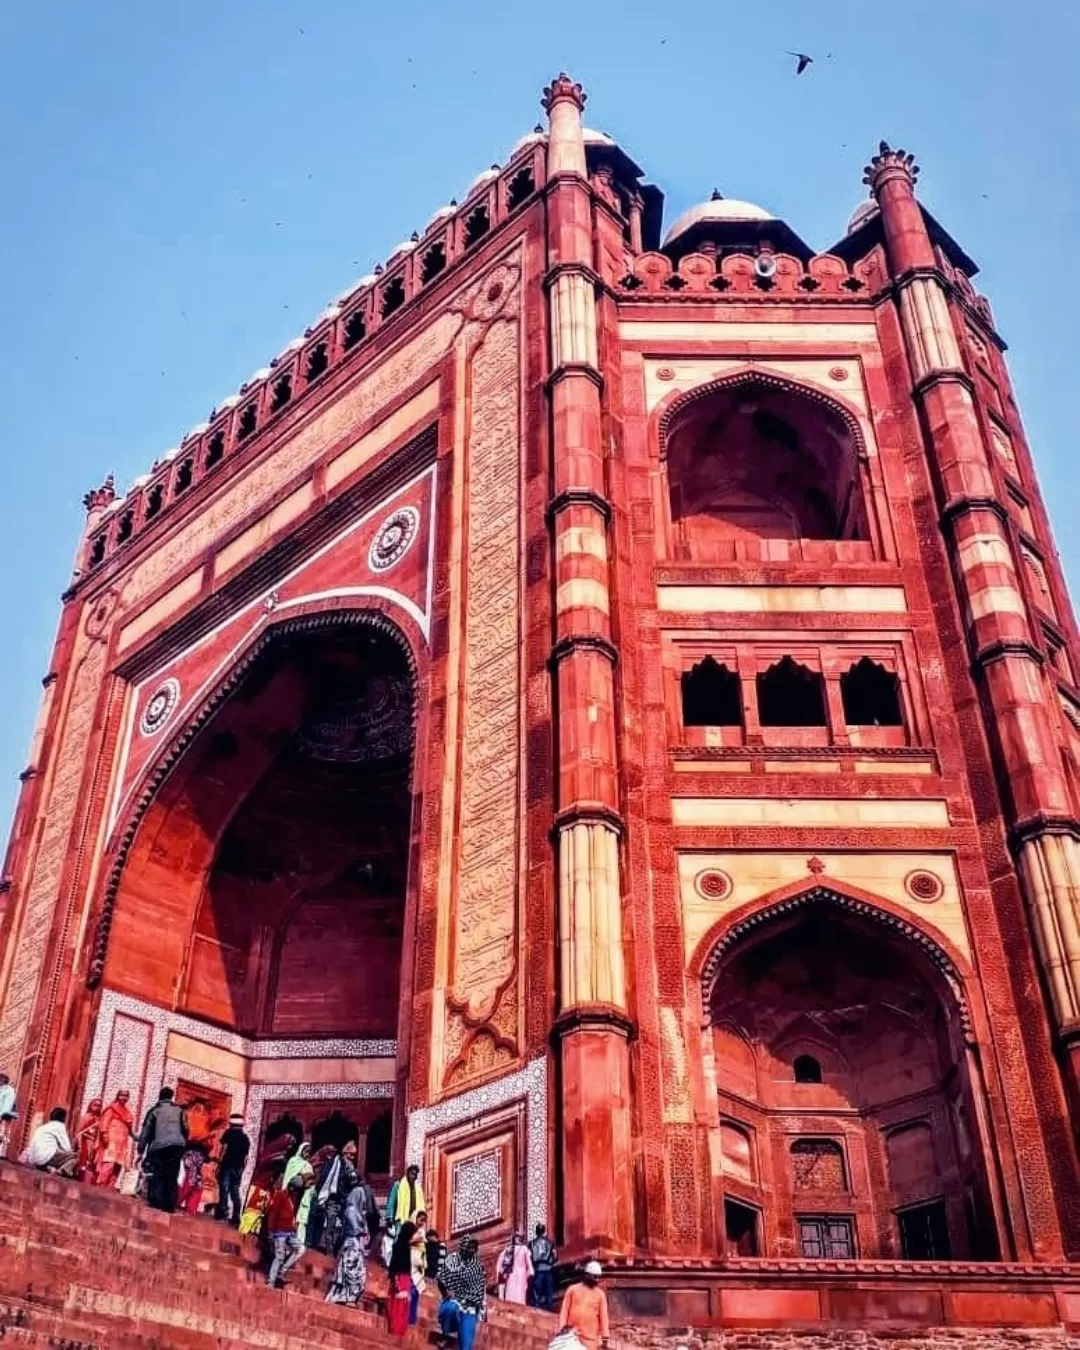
point(319, 619)
point(757, 465)
point(855, 1015)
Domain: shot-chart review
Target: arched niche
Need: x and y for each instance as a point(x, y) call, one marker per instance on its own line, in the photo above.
point(756, 467)
point(264, 887)
point(855, 1026)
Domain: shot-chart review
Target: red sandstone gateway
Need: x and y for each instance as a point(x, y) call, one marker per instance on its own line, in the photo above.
point(597, 717)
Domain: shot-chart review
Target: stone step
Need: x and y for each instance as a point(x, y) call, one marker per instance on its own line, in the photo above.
point(82, 1262)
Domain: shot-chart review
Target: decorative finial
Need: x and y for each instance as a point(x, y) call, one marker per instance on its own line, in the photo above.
point(538, 130)
point(716, 196)
point(563, 87)
point(889, 161)
point(98, 498)
point(816, 866)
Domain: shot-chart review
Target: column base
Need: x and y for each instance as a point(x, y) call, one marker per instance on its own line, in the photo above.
point(597, 1161)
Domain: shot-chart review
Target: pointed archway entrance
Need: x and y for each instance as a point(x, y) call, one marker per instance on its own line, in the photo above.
point(256, 950)
point(846, 1104)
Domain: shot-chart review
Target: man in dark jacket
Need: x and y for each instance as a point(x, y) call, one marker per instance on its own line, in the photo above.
point(235, 1147)
point(162, 1141)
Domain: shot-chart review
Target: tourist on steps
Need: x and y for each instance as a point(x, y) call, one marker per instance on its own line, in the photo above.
point(406, 1199)
point(464, 1287)
point(515, 1269)
point(419, 1267)
point(49, 1149)
point(268, 1169)
point(281, 1230)
point(8, 1113)
point(584, 1309)
point(544, 1259)
point(333, 1187)
point(86, 1138)
point(162, 1141)
point(350, 1277)
point(115, 1133)
point(235, 1147)
point(399, 1292)
point(192, 1162)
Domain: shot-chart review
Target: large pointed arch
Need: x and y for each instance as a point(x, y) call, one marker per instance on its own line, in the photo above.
point(319, 619)
point(795, 900)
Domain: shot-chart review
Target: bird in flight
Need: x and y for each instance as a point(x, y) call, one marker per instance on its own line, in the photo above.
point(802, 59)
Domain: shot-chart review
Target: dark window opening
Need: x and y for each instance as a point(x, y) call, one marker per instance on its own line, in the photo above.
point(521, 189)
point(434, 262)
point(215, 450)
point(477, 226)
point(153, 501)
point(282, 393)
point(97, 550)
point(317, 363)
point(393, 296)
point(711, 696)
point(355, 329)
point(378, 1144)
point(871, 696)
point(184, 474)
point(818, 1164)
point(740, 1229)
point(924, 1233)
point(807, 1069)
point(790, 695)
point(823, 1237)
point(127, 525)
point(246, 425)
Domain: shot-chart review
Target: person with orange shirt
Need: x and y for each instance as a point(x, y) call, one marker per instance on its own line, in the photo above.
point(584, 1309)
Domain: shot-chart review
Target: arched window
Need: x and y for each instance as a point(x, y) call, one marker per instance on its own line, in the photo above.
point(737, 1150)
point(711, 696)
point(871, 696)
point(807, 1069)
point(757, 462)
point(790, 695)
point(818, 1165)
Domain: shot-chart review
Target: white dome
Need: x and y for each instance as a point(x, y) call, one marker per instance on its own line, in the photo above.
point(593, 137)
point(230, 402)
point(862, 214)
point(480, 179)
point(441, 214)
point(406, 246)
point(138, 481)
point(530, 138)
point(721, 210)
point(196, 430)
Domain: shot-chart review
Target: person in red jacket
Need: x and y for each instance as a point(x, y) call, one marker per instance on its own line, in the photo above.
point(281, 1230)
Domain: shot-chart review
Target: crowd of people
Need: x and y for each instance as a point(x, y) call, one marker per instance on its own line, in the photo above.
point(297, 1199)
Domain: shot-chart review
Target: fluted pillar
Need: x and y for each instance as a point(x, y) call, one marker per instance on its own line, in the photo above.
point(1042, 811)
point(593, 1026)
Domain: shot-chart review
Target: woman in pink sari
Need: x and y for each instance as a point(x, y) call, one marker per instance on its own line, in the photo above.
point(115, 1132)
point(515, 1270)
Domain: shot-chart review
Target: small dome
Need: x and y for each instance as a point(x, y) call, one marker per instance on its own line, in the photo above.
point(406, 246)
point(257, 378)
point(862, 213)
point(230, 402)
point(441, 214)
point(719, 210)
point(593, 137)
point(196, 430)
point(170, 454)
point(138, 481)
point(530, 138)
point(482, 178)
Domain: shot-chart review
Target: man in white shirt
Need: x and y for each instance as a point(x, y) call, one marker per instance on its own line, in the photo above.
point(7, 1111)
point(50, 1148)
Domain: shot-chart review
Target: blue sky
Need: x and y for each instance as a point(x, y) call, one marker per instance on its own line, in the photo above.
point(186, 187)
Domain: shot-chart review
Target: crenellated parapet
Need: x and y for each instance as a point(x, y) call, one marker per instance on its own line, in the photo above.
point(776, 276)
point(342, 335)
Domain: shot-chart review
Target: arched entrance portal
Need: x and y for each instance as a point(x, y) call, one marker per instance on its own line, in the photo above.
point(259, 919)
point(846, 1111)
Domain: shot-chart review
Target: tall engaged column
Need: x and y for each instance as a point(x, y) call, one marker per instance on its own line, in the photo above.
point(1043, 814)
point(593, 1026)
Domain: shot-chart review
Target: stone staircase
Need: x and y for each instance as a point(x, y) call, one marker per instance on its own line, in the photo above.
point(86, 1269)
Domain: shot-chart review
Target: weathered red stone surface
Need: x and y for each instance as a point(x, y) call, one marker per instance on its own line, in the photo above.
point(598, 716)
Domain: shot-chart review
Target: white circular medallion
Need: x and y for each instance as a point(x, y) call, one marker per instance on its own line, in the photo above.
point(394, 539)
